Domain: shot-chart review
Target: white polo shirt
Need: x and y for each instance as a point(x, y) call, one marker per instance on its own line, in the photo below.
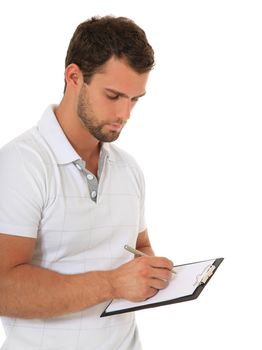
point(45, 196)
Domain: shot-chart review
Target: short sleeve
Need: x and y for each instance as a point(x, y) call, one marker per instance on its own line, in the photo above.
point(21, 191)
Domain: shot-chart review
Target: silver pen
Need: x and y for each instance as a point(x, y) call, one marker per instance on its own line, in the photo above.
point(139, 253)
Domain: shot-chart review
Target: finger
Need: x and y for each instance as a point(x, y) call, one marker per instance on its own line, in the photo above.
point(164, 274)
point(160, 273)
point(158, 284)
point(156, 271)
point(153, 292)
point(161, 262)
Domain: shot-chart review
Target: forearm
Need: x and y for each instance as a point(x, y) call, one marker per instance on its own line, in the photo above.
point(28, 291)
point(143, 243)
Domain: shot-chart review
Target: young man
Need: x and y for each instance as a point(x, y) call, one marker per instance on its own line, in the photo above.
point(70, 201)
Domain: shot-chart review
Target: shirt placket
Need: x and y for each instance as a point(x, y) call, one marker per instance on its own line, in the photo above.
point(92, 180)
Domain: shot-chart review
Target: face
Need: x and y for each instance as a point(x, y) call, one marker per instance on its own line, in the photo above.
point(105, 104)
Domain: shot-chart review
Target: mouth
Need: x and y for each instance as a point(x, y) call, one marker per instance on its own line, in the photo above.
point(116, 126)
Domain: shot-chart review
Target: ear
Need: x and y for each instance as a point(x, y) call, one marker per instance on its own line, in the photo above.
point(73, 75)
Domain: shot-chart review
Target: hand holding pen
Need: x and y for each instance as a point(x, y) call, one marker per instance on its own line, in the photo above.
point(140, 279)
point(139, 253)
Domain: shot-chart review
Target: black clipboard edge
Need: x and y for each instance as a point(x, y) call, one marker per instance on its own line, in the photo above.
point(193, 296)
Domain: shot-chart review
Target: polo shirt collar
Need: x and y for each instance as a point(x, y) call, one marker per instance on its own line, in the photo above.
point(52, 132)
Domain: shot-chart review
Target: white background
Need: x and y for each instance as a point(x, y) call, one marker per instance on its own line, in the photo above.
point(197, 136)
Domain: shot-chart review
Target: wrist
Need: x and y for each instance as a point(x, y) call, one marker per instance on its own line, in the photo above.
point(112, 281)
point(107, 277)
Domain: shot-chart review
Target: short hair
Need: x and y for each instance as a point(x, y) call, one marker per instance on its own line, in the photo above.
point(96, 40)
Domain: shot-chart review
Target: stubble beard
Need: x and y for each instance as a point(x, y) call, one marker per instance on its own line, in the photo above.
point(89, 120)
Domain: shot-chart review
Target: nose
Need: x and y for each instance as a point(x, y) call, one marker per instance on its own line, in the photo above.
point(124, 109)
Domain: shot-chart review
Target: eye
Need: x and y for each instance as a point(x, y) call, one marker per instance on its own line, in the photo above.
point(114, 97)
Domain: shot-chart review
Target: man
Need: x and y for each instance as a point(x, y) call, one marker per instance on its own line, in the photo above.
point(70, 201)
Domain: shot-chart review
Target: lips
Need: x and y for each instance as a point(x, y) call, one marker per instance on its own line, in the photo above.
point(116, 126)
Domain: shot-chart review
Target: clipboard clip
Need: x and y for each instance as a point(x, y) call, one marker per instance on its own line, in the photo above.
point(208, 274)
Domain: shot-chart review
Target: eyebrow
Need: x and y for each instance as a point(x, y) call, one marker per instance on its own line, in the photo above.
point(122, 94)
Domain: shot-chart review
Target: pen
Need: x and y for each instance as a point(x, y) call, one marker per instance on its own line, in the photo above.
point(139, 253)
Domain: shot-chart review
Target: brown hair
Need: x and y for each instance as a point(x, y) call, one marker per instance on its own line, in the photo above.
point(99, 38)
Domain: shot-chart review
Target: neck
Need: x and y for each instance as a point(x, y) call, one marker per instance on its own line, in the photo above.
point(82, 141)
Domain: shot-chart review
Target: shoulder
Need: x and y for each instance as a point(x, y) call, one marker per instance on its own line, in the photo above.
point(26, 161)
point(121, 157)
point(27, 148)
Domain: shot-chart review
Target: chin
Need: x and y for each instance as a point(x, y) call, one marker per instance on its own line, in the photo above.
point(111, 137)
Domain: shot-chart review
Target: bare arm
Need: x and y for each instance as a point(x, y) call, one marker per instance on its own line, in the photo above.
point(27, 291)
point(143, 243)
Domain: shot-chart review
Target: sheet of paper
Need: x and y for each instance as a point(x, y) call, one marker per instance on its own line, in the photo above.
point(183, 283)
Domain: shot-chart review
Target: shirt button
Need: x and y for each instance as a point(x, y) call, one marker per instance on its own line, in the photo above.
point(90, 177)
point(93, 194)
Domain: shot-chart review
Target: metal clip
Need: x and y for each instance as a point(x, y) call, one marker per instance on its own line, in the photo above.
point(208, 274)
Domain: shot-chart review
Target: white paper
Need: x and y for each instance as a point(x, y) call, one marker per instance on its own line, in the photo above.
point(183, 283)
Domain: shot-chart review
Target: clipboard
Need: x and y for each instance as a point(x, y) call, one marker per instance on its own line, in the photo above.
point(187, 284)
